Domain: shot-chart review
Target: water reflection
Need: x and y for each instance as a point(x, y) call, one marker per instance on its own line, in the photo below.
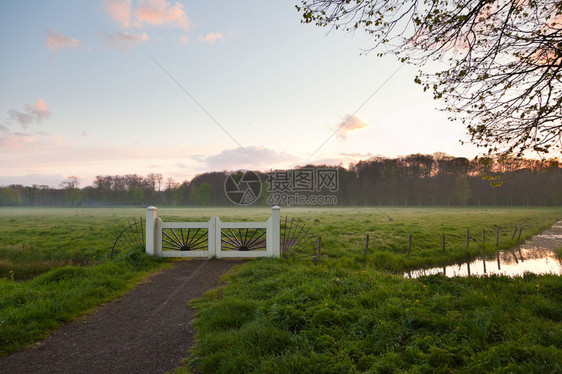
point(535, 256)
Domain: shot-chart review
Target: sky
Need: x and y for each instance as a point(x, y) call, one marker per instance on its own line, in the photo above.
point(115, 87)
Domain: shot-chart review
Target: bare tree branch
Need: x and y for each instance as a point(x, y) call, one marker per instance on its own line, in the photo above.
point(503, 77)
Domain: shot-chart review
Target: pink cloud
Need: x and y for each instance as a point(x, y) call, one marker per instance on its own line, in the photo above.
point(146, 12)
point(33, 113)
point(15, 139)
point(57, 42)
point(160, 12)
point(238, 158)
point(39, 110)
point(24, 119)
point(211, 38)
point(149, 12)
point(124, 41)
point(22, 154)
point(349, 123)
point(119, 11)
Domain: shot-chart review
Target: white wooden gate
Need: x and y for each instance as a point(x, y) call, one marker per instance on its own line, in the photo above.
point(213, 238)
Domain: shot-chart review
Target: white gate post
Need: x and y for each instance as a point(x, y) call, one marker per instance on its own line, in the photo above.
point(218, 237)
point(151, 214)
point(211, 238)
point(276, 232)
point(158, 237)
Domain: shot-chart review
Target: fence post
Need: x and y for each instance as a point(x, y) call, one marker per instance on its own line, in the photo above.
point(211, 238)
point(409, 244)
point(217, 236)
point(515, 256)
point(276, 231)
point(366, 245)
point(158, 237)
point(318, 247)
point(151, 215)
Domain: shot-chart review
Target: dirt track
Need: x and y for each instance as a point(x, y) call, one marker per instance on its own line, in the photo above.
point(148, 330)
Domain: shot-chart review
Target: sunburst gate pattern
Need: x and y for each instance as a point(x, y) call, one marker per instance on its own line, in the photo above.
point(243, 239)
point(296, 242)
point(131, 237)
point(184, 239)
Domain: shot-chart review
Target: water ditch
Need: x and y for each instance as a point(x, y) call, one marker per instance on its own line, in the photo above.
point(536, 255)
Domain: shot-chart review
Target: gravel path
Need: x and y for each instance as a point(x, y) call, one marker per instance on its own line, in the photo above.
point(148, 330)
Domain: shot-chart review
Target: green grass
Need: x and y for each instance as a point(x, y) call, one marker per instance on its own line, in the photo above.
point(30, 310)
point(351, 313)
point(35, 240)
point(343, 230)
point(343, 233)
point(287, 317)
point(54, 267)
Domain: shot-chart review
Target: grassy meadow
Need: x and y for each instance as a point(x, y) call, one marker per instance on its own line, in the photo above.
point(351, 313)
point(54, 267)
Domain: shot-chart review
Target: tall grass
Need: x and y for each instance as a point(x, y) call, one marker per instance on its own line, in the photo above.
point(30, 310)
point(343, 233)
point(288, 317)
point(353, 313)
point(54, 266)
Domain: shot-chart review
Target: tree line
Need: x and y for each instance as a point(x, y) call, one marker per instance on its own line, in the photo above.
point(413, 180)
